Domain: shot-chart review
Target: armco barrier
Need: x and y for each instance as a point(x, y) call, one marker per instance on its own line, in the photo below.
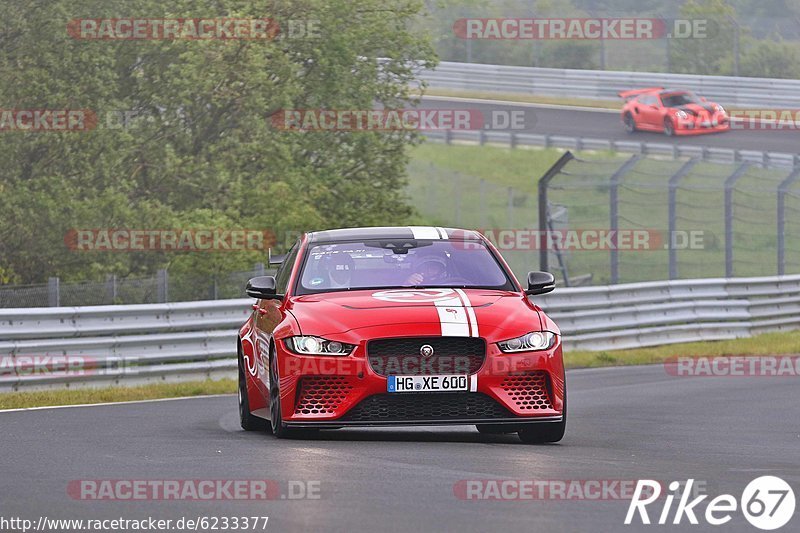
point(193, 340)
point(604, 85)
point(725, 156)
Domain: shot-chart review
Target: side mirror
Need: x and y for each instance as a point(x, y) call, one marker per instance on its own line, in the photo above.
point(263, 287)
point(540, 283)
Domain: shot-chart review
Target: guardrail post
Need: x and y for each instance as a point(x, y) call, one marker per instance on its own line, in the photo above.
point(729, 183)
point(513, 139)
point(258, 269)
point(783, 188)
point(162, 281)
point(613, 195)
point(448, 137)
point(53, 292)
point(674, 180)
point(544, 181)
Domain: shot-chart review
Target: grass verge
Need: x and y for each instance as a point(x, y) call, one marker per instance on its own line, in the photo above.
point(527, 98)
point(766, 344)
point(19, 400)
point(787, 343)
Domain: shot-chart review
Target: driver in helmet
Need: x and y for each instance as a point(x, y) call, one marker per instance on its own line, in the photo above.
point(340, 269)
point(430, 269)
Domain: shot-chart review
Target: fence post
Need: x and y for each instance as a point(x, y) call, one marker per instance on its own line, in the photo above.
point(510, 209)
point(457, 197)
point(482, 193)
point(53, 292)
point(163, 286)
point(729, 183)
point(111, 287)
point(674, 180)
point(614, 182)
point(783, 188)
point(544, 181)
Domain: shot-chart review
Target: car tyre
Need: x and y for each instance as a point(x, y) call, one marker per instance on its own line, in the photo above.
point(630, 123)
point(669, 127)
point(276, 425)
point(248, 421)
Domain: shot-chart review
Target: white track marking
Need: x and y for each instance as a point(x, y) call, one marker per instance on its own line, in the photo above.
point(113, 403)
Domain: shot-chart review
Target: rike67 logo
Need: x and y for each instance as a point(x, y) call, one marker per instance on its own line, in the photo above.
point(767, 502)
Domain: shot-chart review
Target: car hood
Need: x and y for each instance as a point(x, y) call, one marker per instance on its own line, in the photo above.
point(697, 109)
point(456, 312)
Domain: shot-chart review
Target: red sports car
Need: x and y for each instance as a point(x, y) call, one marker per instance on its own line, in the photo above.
point(671, 112)
point(400, 326)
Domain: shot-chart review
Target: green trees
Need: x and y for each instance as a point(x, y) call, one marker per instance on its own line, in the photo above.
point(183, 135)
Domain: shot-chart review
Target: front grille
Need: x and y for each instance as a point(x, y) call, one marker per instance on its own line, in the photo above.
point(451, 355)
point(529, 390)
point(321, 395)
point(398, 407)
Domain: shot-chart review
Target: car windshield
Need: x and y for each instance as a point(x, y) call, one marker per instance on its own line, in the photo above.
point(679, 99)
point(378, 264)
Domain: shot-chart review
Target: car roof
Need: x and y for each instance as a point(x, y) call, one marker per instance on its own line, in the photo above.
point(392, 232)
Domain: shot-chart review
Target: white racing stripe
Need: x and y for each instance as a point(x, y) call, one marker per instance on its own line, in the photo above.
point(473, 320)
point(453, 317)
point(425, 232)
point(456, 316)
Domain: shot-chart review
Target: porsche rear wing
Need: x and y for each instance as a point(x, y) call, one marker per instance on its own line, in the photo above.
point(627, 95)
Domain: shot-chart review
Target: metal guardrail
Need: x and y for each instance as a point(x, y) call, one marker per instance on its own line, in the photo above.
point(194, 340)
point(776, 160)
point(604, 85)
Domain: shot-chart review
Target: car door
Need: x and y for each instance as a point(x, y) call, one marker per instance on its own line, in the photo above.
point(650, 111)
point(271, 313)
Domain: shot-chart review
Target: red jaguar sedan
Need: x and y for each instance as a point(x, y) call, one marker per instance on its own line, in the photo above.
point(400, 326)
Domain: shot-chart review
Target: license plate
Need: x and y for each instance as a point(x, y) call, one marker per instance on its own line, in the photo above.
point(435, 383)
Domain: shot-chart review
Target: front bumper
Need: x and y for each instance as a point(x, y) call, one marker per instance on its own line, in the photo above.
point(345, 391)
point(701, 125)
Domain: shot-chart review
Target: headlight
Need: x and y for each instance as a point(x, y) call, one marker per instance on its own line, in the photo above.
point(317, 346)
point(682, 114)
point(530, 342)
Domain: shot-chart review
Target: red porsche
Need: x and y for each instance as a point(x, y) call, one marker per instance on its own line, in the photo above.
point(671, 112)
point(400, 326)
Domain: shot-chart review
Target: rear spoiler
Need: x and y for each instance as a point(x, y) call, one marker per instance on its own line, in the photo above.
point(627, 95)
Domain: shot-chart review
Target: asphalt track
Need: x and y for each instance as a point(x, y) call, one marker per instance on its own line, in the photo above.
point(624, 424)
point(605, 124)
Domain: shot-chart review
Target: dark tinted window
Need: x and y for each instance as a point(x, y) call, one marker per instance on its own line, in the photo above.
point(282, 277)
